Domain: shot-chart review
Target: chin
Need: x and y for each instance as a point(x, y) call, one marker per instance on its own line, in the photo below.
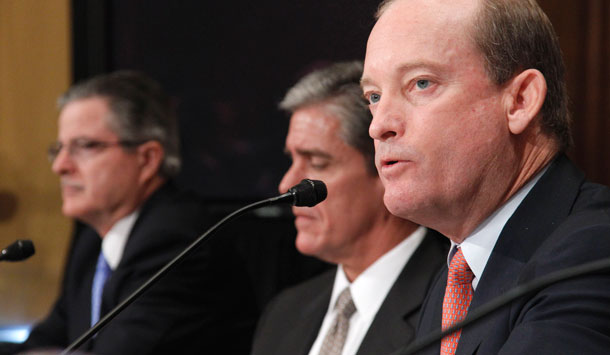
point(73, 210)
point(307, 244)
point(397, 205)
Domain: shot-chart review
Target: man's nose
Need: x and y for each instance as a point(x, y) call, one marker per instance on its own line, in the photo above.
point(388, 119)
point(63, 162)
point(292, 177)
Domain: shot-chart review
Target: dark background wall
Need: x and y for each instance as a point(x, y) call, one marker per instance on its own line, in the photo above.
point(228, 64)
point(583, 27)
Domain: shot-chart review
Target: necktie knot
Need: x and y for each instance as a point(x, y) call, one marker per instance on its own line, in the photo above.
point(459, 271)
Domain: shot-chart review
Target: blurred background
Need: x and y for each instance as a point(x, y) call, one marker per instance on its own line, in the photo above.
point(226, 65)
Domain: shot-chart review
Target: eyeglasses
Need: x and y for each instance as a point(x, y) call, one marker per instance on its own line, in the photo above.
point(83, 148)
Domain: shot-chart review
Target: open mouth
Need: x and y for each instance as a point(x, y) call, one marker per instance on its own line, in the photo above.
point(389, 162)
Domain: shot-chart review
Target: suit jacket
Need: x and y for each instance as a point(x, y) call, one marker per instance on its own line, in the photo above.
point(564, 221)
point(196, 308)
point(292, 321)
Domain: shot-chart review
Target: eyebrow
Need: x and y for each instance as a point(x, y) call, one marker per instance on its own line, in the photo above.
point(365, 81)
point(77, 138)
point(310, 152)
point(406, 68)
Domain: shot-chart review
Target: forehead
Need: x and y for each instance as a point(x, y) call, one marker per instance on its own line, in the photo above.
point(314, 127)
point(431, 11)
point(85, 118)
point(420, 31)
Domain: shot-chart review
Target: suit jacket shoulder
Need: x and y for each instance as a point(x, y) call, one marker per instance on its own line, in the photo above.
point(564, 221)
point(197, 305)
point(292, 320)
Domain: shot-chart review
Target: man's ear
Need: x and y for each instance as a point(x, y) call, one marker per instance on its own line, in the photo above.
point(150, 156)
point(524, 97)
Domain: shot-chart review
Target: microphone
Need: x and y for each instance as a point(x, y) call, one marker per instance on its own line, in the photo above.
point(601, 265)
point(306, 193)
point(19, 250)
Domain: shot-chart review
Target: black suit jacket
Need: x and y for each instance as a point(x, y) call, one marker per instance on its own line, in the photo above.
point(292, 321)
point(564, 221)
point(196, 308)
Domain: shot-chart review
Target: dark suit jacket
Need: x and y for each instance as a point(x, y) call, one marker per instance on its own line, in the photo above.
point(292, 321)
point(196, 308)
point(563, 221)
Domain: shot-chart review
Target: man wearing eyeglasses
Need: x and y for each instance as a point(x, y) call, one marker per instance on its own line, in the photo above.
point(116, 154)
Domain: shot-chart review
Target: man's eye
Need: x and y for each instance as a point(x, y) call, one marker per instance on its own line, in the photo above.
point(318, 163)
point(422, 83)
point(319, 166)
point(87, 144)
point(374, 98)
point(90, 145)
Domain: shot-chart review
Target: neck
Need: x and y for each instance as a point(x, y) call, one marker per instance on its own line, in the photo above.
point(382, 238)
point(104, 221)
point(535, 152)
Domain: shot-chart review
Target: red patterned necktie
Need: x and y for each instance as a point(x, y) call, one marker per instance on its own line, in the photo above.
point(458, 295)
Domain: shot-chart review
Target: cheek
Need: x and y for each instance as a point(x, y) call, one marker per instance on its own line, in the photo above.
point(106, 186)
point(355, 198)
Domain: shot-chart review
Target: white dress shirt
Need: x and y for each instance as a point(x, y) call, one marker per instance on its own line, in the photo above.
point(368, 291)
point(113, 243)
point(477, 247)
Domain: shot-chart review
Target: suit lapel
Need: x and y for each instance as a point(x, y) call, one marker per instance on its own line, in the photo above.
point(300, 340)
point(81, 269)
point(549, 202)
point(432, 308)
point(395, 322)
point(133, 247)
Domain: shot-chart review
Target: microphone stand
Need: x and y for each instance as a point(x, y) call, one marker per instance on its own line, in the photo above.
point(287, 197)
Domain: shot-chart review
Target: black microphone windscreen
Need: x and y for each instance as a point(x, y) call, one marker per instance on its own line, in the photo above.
point(308, 193)
point(19, 250)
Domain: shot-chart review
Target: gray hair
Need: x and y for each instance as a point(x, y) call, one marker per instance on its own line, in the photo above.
point(337, 87)
point(141, 111)
point(515, 35)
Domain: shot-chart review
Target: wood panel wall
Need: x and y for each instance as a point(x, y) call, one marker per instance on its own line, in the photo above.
point(34, 70)
point(583, 27)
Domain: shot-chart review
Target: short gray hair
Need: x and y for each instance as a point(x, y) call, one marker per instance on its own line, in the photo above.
point(141, 111)
point(337, 87)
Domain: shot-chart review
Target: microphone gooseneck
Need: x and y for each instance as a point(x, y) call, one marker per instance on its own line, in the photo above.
point(306, 193)
point(18, 251)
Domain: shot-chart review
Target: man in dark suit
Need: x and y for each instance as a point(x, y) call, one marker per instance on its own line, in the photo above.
point(385, 263)
point(470, 123)
point(116, 154)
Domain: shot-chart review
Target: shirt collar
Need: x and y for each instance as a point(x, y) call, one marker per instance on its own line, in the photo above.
point(477, 247)
point(371, 286)
point(113, 243)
